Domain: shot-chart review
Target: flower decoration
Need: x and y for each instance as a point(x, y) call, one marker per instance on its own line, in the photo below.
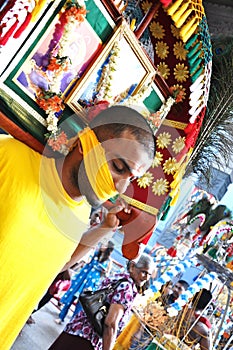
point(178, 92)
point(160, 187)
point(181, 72)
point(157, 30)
point(145, 180)
point(58, 142)
point(154, 120)
point(146, 5)
point(170, 166)
point(156, 318)
point(57, 62)
point(163, 70)
point(49, 101)
point(162, 49)
point(163, 140)
point(134, 100)
point(75, 11)
point(157, 160)
point(179, 51)
point(175, 31)
point(178, 144)
point(107, 76)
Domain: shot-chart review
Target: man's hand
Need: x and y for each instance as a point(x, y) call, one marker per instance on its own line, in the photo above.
point(94, 235)
point(111, 219)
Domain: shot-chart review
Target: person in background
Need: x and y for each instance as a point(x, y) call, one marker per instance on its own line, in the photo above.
point(170, 293)
point(193, 327)
point(60, 284)
point(79, 332)
point(141, 338)
point(87, 278)
point(46, 205)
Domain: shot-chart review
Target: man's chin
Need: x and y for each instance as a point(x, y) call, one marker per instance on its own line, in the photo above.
point(93, 201)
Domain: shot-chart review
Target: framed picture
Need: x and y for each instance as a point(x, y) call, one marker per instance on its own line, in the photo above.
point(27, 71)
point(120, 71)
point(83, 45)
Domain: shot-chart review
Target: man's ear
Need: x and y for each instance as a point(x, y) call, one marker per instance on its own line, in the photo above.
point(79, 147)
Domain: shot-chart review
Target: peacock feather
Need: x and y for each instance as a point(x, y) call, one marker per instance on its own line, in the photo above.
point(214, 146)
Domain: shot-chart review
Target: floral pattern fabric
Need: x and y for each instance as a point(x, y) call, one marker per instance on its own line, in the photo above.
point(124, 294)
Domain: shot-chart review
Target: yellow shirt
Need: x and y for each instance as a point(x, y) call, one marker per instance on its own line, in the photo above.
point(40, 226)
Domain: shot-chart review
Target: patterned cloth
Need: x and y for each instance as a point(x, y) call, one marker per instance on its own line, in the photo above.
point(87, 278)
point(124, 294)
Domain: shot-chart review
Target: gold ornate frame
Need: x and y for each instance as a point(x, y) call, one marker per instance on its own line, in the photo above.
point(142, 74)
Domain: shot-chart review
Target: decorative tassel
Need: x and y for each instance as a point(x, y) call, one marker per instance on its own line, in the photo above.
point(175, 197)
point(133, 24)
point(23, 26)
point(197, 64)
point(183, 18)
point(197, 74)
point(198, 82)
point(172, 9)
point(193, 50)
point(8, 34)
point(188, 29)
point(195, 97)
point(37, 9)
point(180, 12)
point(193, 118)
point(190, 42)
point(194, 58)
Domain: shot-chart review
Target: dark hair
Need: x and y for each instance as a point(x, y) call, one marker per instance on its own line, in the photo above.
point(63, 276)
point(113, 121)
point(183, 283)
point(104, 255)
point(201, 299)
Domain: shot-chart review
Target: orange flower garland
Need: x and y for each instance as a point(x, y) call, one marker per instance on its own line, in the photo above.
point(49, 101)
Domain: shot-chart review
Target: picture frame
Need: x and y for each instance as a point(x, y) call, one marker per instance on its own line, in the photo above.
point(84, 46)
point(17, 101)
point(133, 64)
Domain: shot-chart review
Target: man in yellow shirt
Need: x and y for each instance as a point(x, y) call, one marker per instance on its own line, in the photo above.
point(45, 206)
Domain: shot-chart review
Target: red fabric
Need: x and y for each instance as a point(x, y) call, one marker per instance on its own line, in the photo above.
point(165, 2)
point(59, 286)
point(138, 227)
point(6, 37)
point(204, 320)
point(172, 252)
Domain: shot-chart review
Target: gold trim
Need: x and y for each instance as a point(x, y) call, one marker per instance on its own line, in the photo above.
point(140, 205)
point(122, 32)
point(174, 124)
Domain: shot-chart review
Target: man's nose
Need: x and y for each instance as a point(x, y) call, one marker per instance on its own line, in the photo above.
point(122, 184)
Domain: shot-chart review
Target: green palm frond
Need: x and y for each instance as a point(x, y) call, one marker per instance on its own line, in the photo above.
point(214, 146)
